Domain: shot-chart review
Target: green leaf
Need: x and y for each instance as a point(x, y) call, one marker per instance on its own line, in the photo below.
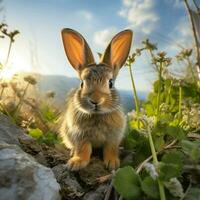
point(166, 118)
point(159, 130)
point(171, 166)
point(173, 104)
point(48, 114)
point(133, 124)
point(49, 138)
point(150, 187)
point(129, 143)
point(156, 86)
point(168, 83)
point(36, 133)
point(152, 101)
point(193, 194)
point(149, 109)
point(174, 157)
point(176, 132)
point(126, 182)
point(131, 140)
point(167, 171)
point(192, 149)
point(159, 142)
point(139, 144)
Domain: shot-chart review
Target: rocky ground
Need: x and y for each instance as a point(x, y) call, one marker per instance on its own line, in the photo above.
point(33, 171)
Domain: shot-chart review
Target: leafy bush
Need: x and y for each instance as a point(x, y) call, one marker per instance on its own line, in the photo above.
point(165, 129)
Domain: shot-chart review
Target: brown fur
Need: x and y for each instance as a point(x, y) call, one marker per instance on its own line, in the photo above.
point(93, 117)
point(81, 155)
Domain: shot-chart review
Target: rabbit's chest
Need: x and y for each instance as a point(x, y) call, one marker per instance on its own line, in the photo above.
point(96, 137)
point(96, 131)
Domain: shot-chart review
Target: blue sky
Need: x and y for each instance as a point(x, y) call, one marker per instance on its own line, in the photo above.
point(39, 47)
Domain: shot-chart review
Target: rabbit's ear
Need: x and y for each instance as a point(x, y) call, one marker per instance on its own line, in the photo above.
point(76, 48)
point(117, 51)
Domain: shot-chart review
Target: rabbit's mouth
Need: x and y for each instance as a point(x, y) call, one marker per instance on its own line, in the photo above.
point(89, 105)
point(89, 108)
point(100, 110)
point(96, 109)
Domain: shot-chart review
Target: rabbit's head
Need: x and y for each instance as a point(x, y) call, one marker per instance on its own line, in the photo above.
point(96, 93)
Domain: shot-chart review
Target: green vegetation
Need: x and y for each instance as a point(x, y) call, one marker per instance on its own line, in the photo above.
point(163, 134)
point(37, 117)
point(166, 161)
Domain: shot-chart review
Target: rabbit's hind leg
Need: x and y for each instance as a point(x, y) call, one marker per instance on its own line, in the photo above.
point(81, 156)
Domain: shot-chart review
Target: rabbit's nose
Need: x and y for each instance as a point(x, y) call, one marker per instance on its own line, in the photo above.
point(93, 102)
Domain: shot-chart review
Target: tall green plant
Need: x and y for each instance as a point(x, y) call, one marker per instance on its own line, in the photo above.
point(11, 35)
point(154, 156)
point(129, 63)
point(161, 62)
point(160, 138)
point(30, 80)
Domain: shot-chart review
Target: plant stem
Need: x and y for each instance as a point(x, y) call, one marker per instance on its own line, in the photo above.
point(169, 146)
point(155, 161)
point(21, 99)
point(152, 58)
point(159, 69)
point(169, 93)
point(159, 92)
point(3, 109)
point(8, 54)
point(136, 100)
point(190, 66)
point(1, 94)
point(180, 102)
point(161, 190)
point(153, 151)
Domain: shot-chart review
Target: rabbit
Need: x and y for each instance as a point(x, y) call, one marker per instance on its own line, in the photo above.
point(94, 117)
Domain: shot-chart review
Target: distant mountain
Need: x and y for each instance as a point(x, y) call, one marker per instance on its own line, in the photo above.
point(61, 85)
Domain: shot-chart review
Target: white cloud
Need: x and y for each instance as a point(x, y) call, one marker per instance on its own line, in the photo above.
point(184, 28)
point(140, 14)
point(182, 34)
point(176, 3)
point(85, 14)
point(103, 37)
point(180, 37)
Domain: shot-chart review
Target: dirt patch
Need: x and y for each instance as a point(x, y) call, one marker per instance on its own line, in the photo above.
point(83, 184)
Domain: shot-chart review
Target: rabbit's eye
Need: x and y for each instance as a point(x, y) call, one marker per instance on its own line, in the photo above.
point(82, 84)
point(110, 83)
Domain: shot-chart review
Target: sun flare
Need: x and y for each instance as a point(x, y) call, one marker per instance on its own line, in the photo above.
point(16, 65)
point(7, 74)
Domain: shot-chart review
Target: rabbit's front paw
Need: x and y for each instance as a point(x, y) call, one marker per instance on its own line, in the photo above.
point(76, 163)
point(112, 162)
point(111, 159)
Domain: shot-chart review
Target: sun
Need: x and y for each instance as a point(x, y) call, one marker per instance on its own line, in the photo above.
point(7, 74)
point(17, 64)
